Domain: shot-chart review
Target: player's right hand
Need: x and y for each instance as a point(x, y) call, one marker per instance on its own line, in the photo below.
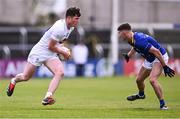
point(67, 54)
point(126, 57)
point(168, 71)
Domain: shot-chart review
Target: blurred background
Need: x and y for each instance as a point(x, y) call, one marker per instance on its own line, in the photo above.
point(23, 22)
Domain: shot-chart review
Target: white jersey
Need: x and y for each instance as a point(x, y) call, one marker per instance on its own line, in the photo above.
point(58, 32)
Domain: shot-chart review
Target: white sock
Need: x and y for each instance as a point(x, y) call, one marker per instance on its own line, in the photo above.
point(13, 81)
point(48, 94)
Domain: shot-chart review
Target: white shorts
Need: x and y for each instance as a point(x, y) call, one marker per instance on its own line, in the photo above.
point(39, 60)
point(149, 65)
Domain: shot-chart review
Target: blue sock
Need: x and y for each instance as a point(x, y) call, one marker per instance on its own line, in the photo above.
point(162, 102)
point(141, 93)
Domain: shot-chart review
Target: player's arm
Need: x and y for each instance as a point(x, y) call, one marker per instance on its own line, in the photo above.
point(57, 36)
point(53, 47)
point(150, 48)
point(167, 70)
point(157, 54)
point(129, 54)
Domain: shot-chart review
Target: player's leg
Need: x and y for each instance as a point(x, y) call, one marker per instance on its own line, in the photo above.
point(26, 75)
point(156, 72)
point(56, 67)
point(142, 75)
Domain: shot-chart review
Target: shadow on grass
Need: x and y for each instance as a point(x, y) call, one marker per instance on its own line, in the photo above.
point(87, 109)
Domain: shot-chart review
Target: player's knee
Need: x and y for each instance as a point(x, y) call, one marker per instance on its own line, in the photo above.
point(153, 81)
point(59, 74)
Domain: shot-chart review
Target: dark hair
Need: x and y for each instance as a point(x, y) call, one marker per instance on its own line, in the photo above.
point(73, 11)
point(124, 26)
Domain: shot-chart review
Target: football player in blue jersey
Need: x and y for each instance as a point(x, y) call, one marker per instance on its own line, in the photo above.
point(156, 59)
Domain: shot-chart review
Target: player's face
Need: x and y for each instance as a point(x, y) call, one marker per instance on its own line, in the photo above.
point(125, 35)
point(74, 21)
point(122, 34)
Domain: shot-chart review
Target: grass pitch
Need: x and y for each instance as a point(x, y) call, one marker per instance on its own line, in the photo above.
point(89, 98)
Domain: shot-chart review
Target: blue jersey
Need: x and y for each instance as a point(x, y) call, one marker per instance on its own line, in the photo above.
point(142, 44)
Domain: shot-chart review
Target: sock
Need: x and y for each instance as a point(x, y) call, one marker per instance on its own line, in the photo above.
point(13, 81)
point(162, 102)
point(48, 94)
point(141, 93)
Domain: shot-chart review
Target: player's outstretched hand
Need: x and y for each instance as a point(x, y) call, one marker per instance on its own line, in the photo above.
point(168, 71)
point(126, 57)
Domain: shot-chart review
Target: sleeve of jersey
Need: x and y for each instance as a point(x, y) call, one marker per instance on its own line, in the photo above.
point(57, 33)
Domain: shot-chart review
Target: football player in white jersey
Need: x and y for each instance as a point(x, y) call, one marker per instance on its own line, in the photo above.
point(45, 52)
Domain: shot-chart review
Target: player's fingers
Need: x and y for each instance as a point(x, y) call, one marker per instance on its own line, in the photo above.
point(172, 74)
point(169, 75)
point(69, 55)
point(127, 60)
point(173, 71)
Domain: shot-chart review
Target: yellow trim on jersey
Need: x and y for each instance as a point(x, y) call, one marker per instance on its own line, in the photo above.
point(132, 41)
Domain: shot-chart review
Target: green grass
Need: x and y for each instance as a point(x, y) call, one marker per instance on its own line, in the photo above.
point(89, 98)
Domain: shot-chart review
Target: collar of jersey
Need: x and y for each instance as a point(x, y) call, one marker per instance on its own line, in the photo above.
point(132, 42)
point(65, 26)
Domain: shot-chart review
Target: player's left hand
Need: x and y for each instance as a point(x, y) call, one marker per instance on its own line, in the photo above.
point(125, 56)
point(168, 71)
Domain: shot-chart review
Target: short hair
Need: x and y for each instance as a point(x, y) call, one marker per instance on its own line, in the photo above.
point(73, 11)
point(124, 26)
